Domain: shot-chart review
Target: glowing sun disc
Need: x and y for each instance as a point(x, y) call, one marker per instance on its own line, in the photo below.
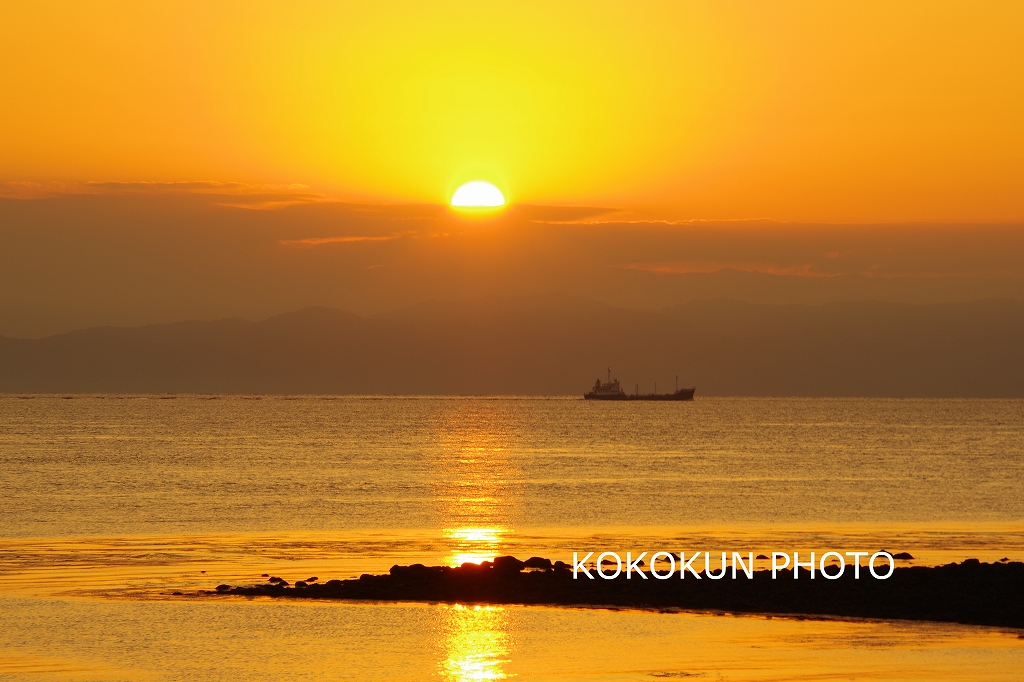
point(478, 193)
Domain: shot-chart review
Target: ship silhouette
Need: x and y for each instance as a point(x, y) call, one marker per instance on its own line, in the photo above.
point(611, 390)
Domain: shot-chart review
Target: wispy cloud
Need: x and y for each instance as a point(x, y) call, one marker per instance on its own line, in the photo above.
point(807, 270)
point(276, 203)
point(875, 272)
point(558, 215)
point(32, 190)
point(686, 268)
point(191, 187)
point(653, 222)
point(318, 241)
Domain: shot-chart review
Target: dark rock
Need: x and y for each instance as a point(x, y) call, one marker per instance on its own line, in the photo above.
point(508, 564)
point(300, 583)
point(264, 575)
point(760, 556)
point(903, 556)
point(275, 579)
point(1005, 558)
point(538, 562)
point(283, 583)
point(969, 592)
point(312, 580)
point(223, 588)
point(176, 594)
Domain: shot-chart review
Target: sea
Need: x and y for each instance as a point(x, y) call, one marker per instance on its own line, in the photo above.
point(116, 511)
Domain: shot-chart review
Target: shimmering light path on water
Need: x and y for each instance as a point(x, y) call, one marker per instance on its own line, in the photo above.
point(80, 640)
point(109, 504)
point(194, 464)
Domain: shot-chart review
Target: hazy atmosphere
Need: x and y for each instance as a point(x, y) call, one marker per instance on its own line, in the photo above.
point(473, 341)
point(159, 165)
point(535, 300)
point(133, 254)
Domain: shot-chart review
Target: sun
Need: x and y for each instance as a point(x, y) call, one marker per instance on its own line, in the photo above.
point(478, 194)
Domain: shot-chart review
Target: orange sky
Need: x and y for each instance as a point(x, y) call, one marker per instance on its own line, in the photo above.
point(651, 154)
point(791, 111)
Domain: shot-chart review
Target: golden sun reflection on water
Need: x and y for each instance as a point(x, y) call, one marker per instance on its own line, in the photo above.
point(476, 490)
point(477, 494)
point(477, 534)
point(474, 545)
point(476, 642)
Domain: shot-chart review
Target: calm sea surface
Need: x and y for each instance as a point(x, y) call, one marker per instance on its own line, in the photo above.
point(110, 504)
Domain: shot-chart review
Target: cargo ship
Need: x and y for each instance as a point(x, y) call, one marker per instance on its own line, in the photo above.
point(610, 390)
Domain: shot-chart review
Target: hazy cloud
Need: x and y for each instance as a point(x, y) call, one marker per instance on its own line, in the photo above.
point(803, 270)
point(134, 253)
point(317, 241)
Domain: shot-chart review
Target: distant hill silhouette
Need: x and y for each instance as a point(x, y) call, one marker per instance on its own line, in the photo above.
point(548, 346)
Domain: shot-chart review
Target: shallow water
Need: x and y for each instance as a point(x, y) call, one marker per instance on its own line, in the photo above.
point(109, 504)
point(238, 640)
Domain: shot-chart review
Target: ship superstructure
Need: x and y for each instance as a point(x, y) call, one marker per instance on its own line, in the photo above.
point(611, 390)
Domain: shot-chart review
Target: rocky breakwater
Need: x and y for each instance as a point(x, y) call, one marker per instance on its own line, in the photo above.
point(969, 592)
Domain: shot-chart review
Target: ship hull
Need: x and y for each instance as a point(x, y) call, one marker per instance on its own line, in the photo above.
point(681, 394)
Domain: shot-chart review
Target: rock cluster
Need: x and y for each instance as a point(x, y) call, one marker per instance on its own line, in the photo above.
point(968, 592)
